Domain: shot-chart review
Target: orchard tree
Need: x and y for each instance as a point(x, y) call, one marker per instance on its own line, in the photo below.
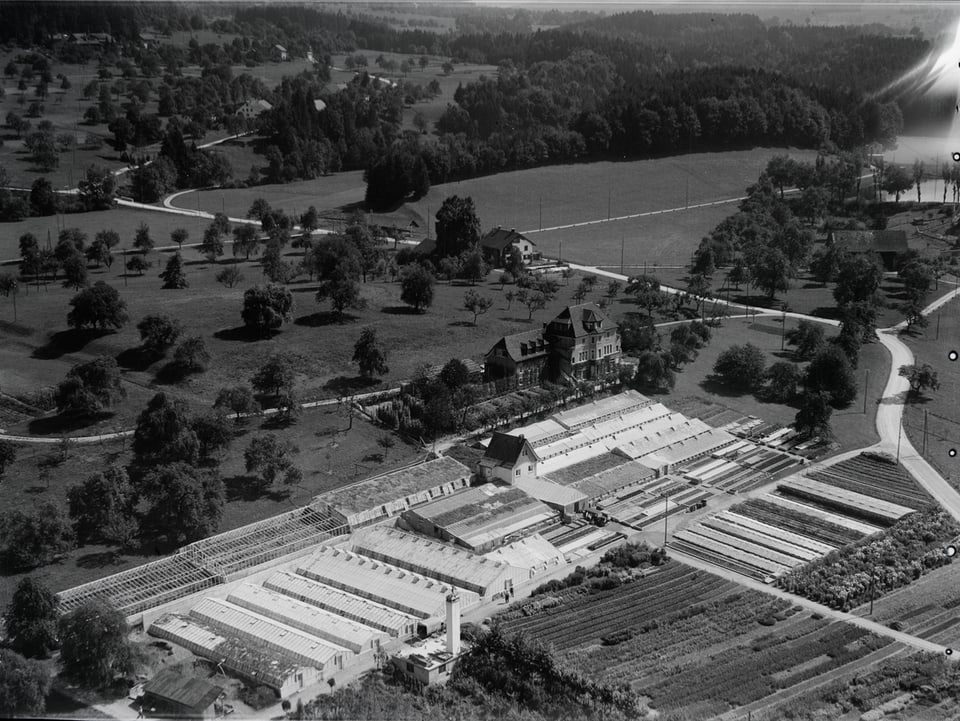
point(230, 276)
point(191, 356)
point(646, 289)
point(369, 355)
point(90, 387)
point(858, 280)
point(654, 372)
point(94, 648)
point(266, 308)
point(31, 619)
point(245, 240)
point(770, 270)
point(158, 333)
point(102, 508)
point(476, 304)
point(276, 375)
point(142, 240)
point(179, 236)
point(782, 381)
point(740, 367)
point(186, 503)
point(138, 264)
point(75, 274)
point(212, 245)
point(163, 433)
point(896, 180)
point(99, 306)
point(213, 432)
point(173, 275)
point(342, 291)
point(813, 418)
point(920, 377)
point(416, 287)
point(34, 538)
point(271, 458)
point(24, 686)
point(830, 372)
point(239, 399)
point(808, 337)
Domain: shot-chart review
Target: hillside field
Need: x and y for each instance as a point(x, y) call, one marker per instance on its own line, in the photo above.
point(552, 196)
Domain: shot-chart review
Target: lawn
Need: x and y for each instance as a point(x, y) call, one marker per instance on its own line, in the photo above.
point(39, 353)
point(124, 221)
point(329, 454)
point(937, 409)
point(851, 427)
point(553, 196)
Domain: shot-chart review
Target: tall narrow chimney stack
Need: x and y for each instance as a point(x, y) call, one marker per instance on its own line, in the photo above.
point(453, 623)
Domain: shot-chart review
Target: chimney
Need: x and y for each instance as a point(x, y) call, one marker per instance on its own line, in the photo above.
point(453, 623)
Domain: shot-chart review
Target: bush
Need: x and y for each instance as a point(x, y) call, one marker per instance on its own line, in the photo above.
point(259, 697)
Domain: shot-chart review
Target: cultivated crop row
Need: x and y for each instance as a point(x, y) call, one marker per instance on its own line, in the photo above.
point(798, 522)
point(875, 478)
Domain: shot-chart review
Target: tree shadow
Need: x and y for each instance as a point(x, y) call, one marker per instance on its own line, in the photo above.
point(372, 458)
point(67, 341)
point(303, 288)
point(400, 310)
point(324, 317)
point(171, 372)
point(243, 334)
point(54, 425)
point(714, 387)
point(99, 559)
point(243, 487)
point(810, 286)
point(277, 422)
point(344, 385)
point(136, 359)
point(462, 324)
point(826, 311)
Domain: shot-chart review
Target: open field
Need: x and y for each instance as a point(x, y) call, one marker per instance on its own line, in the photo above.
point(937, 410)
point(323, 345)
point(568, 194)
point(852, 429)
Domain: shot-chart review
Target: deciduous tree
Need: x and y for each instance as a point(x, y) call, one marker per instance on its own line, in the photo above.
point(94, 648)
point(266, 308)
point(31, 619)
point(34, 538)
point(102, 507)
point(830, 372)
point(24, 685)
point(740, 366)
point(239, 399)
point(813, 418)
point(369, 355)
point(163, 433)
point(90, 387)
point(920, 377)
point(808, 337)
point(186, 503)
point(476, 304)
point(416, 287)
point(457, 226)
point(271, 458)
point(276, 374)
point(158, 333)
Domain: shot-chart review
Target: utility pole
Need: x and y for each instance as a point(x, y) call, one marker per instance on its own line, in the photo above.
point(561, 251)
point(666, 512)
point(873, 577)
point(621, 255)
point(924, 432)
point(540, 224)
point(899, 433)
point(783, 326)
point(124, 249)
point(938, 325)
point(866, 382)
point(608, 202)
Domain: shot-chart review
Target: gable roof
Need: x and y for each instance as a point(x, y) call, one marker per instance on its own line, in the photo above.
point(523, 346)
point(505, 448)
point(863, 241)
point(581, 320)
point(500, 238)
point(194, 693)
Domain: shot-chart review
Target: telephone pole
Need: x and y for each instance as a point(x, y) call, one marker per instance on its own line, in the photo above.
point(866, 382)
point(666, 513)
point(621, 255)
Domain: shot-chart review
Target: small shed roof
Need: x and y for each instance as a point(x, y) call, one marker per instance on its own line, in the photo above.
point(173, 687)
point(551, 493)
point(531, 552)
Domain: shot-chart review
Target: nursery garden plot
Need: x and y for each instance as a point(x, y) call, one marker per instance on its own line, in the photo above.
point(851, 503)
point(584, 617)
point(807, 511)
point(886, 481)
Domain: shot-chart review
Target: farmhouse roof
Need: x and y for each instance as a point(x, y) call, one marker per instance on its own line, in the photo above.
point(505, 448)
point(524, 346)
point(194, 693)
point(319, 105)
point(878, 241)
point(280, 48)
point(425, 246)
point(580, 320)
point(500, 238)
